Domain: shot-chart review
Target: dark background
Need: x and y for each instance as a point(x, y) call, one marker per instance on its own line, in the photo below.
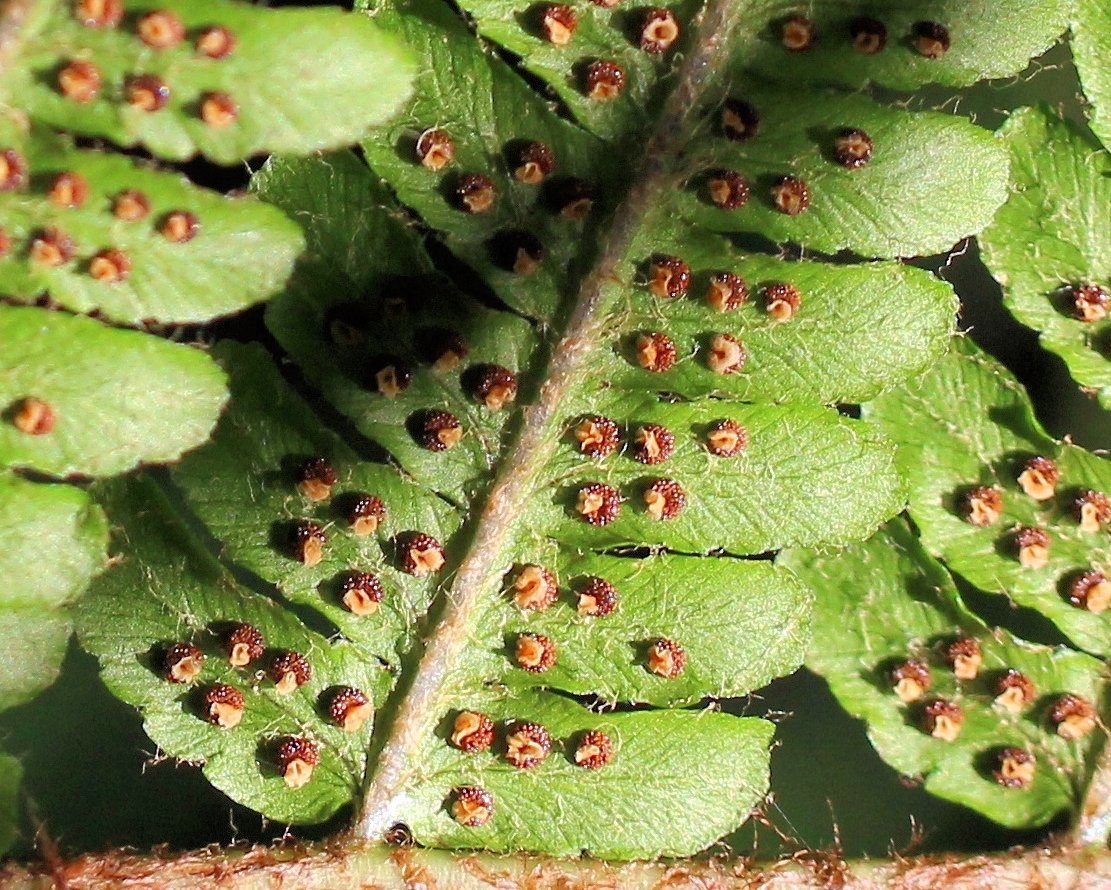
point(95, 780)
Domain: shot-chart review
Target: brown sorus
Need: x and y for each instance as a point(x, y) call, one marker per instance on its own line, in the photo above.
point(656, 352)
point(111, 266)
point(495, 386)
point(33, 416)
point(664, 499)
point(296, 758)
point(182, 663)
point(965, 658)
point(79, 81)
point(1091, 590)
point(597, 597)
point(244, 645)
point(558, 21)
point(726, 354)
point(147, 92)
point(535, 653)
point(365, 514)
point(869, 36)
point(224, 705)
point(179, 226)
point(853, 148)
point(728, 189)
point(307, 540)
point(669, 277)
point(475, 193)
point(782, 301)
point(216, 42)
point(98, 13)
point(1092, 510)
point(290, 670)
point(350, 709)
point(389, 375)
point(604, 80)
point(726, 438)
point(68, 190)
point(598, 503)
point(361, 593)
point(726, 292)
point(1032, 545)
point(527, 744)
point(791, 195)
point(797, 33)
point(1039, 478)
point(160, 29)
point(1072, 716)
point(535, 588)
point(594, 749)
point(533, 163)
point(13, 170)
point(130, 206)
point(435, 148)
point(51, 247)
point(315, 478)
point(1015, 768)
point(1090, 302)
point(597, 436)
point(911, 679)
point(931, 39)
point(666, 658)
point(983, 505)
point(659, 30)
point(653, 444)
point(1014, 691)
point(439, 430)
point(473, 806)
point(740, 121)
point(943, 719)
point(421, 554)
point(218, 110)
point(472, 732)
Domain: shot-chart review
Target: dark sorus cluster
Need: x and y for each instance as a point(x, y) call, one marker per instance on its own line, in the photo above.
point(867, 36)
point(524, 745)
point(957, 665)
point(81, 81)
point(53, 247)
point(281, 672)
point(1086, 301)
point(1039, 479)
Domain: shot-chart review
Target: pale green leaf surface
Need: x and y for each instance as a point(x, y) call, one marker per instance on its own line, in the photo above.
point(167, 589)
point(742, 623)
point(901, 203)
point(715, 764)
point(242, 253)
point(243, 486)
point(884, 601)
point(861, 328)
point(1052, 232)
point(969, 423)
point(399, 310)
point(495, 111)
point(303, 79)
point(808, 476)
point(990, 38)
point(120, 397)
point(1091, 47)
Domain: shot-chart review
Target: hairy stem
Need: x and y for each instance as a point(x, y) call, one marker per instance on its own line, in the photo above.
point(516, 483)
point(376, 867)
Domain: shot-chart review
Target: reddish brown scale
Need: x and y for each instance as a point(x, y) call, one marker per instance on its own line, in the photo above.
point(1014, 691)
point(160, 29)
point(594, 749)
point(535, 653)
point(218, 110)
point(182, 663)
point(1091, 591)
point(669, 277)
point(656, 352)
point(983, 505)
point(1039, 478)
point(69, 190)
point(853, 148)
point(51, 247)
point(131, 206)
point(598, 503)
point(1073, 716)
point(664, 499)
point(572, 198)
point(728, 189)
point(791, 195)
point(13, 170)
point(361, 593)
point(1016, 768)
point(224, 705)
point(496, 387)
point(726, 438)
point(244, 645)
point(653, 444)
point(472, 732)
point(604, 80)
point(439, 430)
point(216, 42)
point(534, 162)
point(1032, 546)
point(597, 436)
point(869, 36)
point(597, 598)
point(965, 657)
point(726, 355)
point(350, 709)
point(110, 266)
point(1090, 302)
point(79, 81)
point(289, 671)
point(558, 22)
point(389, 375)
point(740, 121)
point(179, 226)
point(98, 13)
point(435, 149)
point(782, 301)
point(943, 719)
point(296, 758)
point(472, 806)
point(666, 658)
point(659, 30)
point(931, 39)
point(911, 679)
point(727, 292)
point(441, 348)
point(146, 92)
point(33, 417)
point(797, 33)
point(1092, 510)
point(535, 588)
point(315, 478)
point(475, 193)
point(365, 514)
point(421, 554)
point(307, 541)
point(527, 744)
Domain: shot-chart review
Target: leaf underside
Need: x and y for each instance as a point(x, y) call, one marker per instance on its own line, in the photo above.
point(1052, 234)
point(1091, 41)
point(400, 308)
point(885, 601)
